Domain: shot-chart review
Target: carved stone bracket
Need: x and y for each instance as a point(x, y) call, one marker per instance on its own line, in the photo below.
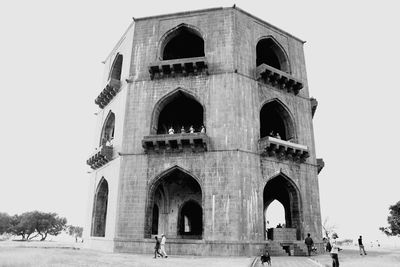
point(278, 79)
point(100, 157)
point(175, 142)
point(108, 93)
point(274, 147)
point(182, 66)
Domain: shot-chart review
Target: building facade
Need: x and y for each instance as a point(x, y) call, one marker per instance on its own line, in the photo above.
point(205, 119)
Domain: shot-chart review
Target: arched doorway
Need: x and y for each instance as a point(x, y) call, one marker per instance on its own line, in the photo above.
point(271, 53)
point(178, 110)
point(183, 42)
point(190, 220)
point(280, 188)
point(178, 196)
point(276, 121)
point(100, 209)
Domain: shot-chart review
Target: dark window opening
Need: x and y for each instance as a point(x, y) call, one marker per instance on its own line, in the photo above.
point(154, 227)
point(184, 44)
point(182, 112)
point(116, 68)
point(268, 52)
point(107, 135)
point(274, 121)
point(191, 219)
point(100, 210)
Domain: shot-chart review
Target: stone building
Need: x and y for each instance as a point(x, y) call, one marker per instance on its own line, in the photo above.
point(205, 119)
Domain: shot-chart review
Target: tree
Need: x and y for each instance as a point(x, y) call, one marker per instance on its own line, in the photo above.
point(5, 221)
point(393, 220)
point(328, 228)
point(75, 231)
point(41, 223)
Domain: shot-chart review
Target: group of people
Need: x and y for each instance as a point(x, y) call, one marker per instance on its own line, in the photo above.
point(276, 135)
point(191, 130)
point(159, 249)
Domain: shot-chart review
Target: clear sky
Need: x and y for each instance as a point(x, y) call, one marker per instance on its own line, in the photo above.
point(51, 71)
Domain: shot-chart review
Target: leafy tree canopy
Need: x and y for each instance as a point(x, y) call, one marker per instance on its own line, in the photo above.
point(393, 220)
point(31, 224)
point(5, 221)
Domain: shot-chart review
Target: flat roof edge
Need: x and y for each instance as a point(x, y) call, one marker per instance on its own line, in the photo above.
point(267, 23)
point(179, 13)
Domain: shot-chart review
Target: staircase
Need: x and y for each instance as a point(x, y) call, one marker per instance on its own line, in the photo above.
point(277, 248)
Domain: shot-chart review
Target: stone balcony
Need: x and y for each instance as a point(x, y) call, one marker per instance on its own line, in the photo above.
point(196, 142)
point(100, 157)
point(175, 67)
point(278, 79)
point(108, 93)
point(281, 149)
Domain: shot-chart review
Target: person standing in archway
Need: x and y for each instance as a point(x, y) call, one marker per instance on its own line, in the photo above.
point(309, 242)
point(163, 240)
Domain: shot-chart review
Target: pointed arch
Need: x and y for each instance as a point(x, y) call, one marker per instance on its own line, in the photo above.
point(283, 189)
point(269, 51)
point(116, 68)
point(178, 186)
point(100, 209)
point(276, 117)
point(107, 132)
point(170, 108)
point(182, 41)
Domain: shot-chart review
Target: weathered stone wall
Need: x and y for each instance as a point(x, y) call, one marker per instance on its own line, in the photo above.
point(232, 173)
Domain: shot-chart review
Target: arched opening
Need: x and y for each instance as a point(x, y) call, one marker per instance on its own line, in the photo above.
point(271, 53)
point(190, 220)
point(154, 227)
point(281, 190)
point(276, 121)
point(184, 42)
point(107, 134)
point(179, 111)
point(177, 195)
point(100, 209)
point(116, 68)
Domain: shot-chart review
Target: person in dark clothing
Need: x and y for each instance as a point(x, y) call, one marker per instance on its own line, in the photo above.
point(157, 248)
point(361, 246)
point(309, 242)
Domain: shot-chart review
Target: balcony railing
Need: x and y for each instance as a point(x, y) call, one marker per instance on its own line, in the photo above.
point(100, 157)
point(108, 93)
point(281, 149)
point(278, 79)
point(175, 142)
point(174, 67)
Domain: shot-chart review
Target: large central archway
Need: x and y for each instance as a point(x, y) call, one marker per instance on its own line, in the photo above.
point(282, 189)
point(174, 206)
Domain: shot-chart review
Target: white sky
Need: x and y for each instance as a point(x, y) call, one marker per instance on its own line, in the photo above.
point(51, 71)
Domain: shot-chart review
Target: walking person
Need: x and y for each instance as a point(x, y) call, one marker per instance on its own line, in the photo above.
point(163, 240)
point(309, 242)
point(335, 251)
point(361, 246)
point(157, 248)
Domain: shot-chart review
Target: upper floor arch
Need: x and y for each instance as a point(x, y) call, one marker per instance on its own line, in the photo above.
point(178, 109)
point(277, 121)
point(108, 129)
point(183, 41)
point(116, 68)
point(270, 52)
